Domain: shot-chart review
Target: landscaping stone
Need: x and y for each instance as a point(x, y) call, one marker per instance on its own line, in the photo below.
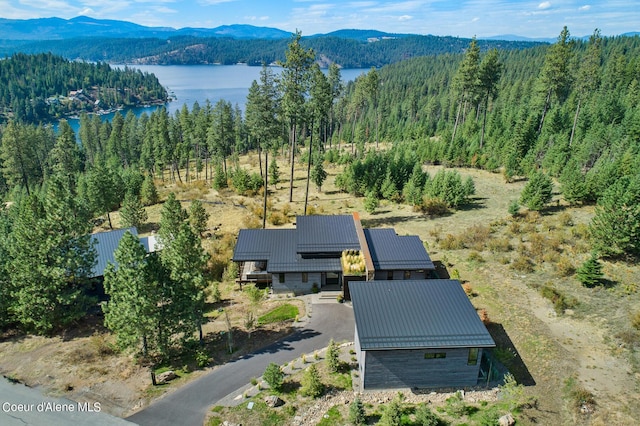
point(273, 401)
point(506, 420)
point(165, 377)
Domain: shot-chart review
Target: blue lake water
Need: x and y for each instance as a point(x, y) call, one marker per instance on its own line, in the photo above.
point(191, 83)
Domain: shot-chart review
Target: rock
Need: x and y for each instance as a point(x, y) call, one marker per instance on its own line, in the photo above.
point(506, 420)
point(273, 401)
point(165, 377)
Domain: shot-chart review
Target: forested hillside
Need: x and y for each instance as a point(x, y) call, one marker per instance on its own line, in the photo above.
point(40, 88)
point(188, 50)
point(569, 111)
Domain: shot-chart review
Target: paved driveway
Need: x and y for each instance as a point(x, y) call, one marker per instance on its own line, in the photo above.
point(188, 405)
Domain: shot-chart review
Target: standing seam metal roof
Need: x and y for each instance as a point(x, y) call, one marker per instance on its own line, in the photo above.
point(416, 314)
point(332, 233)
point(392, 252)
point(106, 244)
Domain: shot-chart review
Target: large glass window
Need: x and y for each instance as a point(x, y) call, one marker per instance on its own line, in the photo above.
point(281, 278)
point(473, 356)
point(305, 277)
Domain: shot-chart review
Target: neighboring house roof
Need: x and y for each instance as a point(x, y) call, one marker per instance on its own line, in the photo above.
point(392, 252)
point(278, 248)
point(106, 244)
point(416, 314)
point(326, 234)
point(151, 243)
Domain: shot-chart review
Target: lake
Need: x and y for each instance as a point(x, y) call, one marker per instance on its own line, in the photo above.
point(191, 83)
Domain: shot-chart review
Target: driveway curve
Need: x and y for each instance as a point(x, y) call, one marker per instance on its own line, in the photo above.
point(188, 405)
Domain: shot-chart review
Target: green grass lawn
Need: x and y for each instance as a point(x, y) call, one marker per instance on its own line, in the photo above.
point(283, 312)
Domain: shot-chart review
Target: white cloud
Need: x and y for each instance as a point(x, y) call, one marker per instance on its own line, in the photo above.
point(584, 8)
point(544, 5)
point(405, 18)
point(214, 2)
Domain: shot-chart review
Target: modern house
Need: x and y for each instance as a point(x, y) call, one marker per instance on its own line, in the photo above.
point(324, 251)
point(417, 333)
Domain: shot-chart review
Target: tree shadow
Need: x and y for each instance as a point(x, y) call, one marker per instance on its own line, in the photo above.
point(508, 355)
point(475, 203)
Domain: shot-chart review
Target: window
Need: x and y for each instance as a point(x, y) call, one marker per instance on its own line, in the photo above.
point(389, 275)
point(407, 275)
point(435, 355)
point(281, 278)
point(473, 356)
point(305, 277)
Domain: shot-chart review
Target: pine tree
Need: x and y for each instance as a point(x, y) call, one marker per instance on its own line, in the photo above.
point(616, 225)
point(371, 202)
point(198, 217)
point(219, 178)
point(311, 384)
point(392, 414)
point(357, 415)
point(537, 192)
point(132, 213)
point(274, 173)
point(171, 217)
point(132, 309)
point(318, 175)
point(333, 356)
point(148, 192)
point(274, 376)
point(590, 273)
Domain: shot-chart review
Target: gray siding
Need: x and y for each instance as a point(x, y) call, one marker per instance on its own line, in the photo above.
point(399, 275)
point(402, 368)
point(293, 282)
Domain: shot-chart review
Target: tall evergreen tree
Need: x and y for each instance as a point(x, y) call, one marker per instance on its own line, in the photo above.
point(132, 212)
point(172, 217)
point(132, 309)
point(295, 86)
point(489, 75)
point(198, 217)
point(465, 83)
point(537, 192)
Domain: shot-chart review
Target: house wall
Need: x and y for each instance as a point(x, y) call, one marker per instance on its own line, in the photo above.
point(293, 282)
point(399, 275)
point(402, 368)
point(360, 358)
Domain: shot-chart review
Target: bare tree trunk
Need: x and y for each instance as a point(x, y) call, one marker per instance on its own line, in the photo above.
point(544, 110)
point(260, 160)
point(266, 188)
point(291, 160)
point(306, 195)
point(484, 120)
point(575, 123)
point(455, 125)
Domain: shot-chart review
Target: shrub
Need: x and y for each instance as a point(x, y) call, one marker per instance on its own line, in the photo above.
point(522, 264)
point(468, 289)
point(274, 376)
point(277, 218)
point(559, 300)
point(565, 219)
point(564, 267)
point(451, 242)
point(635, 320)
point(426, 417)
point(202, 358)
point(434, 206)
point(514, 208)
point(474, 256)
point(496, 245)
point(484, 316)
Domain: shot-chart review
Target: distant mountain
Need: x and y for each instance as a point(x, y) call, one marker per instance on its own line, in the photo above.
point(83, 26)
point(361, 35)
point(513, 37)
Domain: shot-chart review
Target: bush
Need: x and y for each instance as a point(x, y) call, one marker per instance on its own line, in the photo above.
point(426, 417)
point(434, 206)
point(277, 218)
point(451, 242)
point(564, 267)
point(559, 300)
point(635, 320)
point(484, 316)
point(499, 245)
point(274, 376)
point(202, 358)
point(522, 264)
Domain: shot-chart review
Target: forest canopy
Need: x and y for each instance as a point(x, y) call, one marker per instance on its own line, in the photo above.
point(44, 87)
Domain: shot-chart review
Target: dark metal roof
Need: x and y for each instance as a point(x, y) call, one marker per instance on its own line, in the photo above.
point(278, 248)
point(416, 314)
point(326, 234)
point(106, 244)
point(392, 252)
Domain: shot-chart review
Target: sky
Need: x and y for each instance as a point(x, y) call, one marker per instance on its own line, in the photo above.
point(466, 18)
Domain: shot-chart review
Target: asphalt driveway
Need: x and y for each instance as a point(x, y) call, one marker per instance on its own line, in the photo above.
point(188, 405)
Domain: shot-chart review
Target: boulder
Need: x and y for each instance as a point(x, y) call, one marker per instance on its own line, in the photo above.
point(273, 401)
point(507, 420)
point(165, 377)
